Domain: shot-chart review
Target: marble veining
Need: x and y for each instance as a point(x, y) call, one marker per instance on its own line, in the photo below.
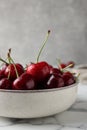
point(75, 118)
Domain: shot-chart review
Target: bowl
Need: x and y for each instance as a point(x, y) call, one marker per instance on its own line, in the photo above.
point(36, 103)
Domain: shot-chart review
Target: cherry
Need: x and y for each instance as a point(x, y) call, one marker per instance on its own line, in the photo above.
point(11, 71)
point(5, 83)
point(56, 71)
point(2, 74)
point(63, 65)
point(71, 63)
point(39, 71)
point(68, 78)
point(54, 82)
point(42, 84)
point(2, 71)
point(68, 73)
point(4, 66)
point(24, 82)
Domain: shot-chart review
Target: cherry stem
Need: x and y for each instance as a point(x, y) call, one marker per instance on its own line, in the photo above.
point(78, 75)
point(15, 67)
point(10, 59)
point(8, 75)
point(59, 64)
point(44, 42)
point(67, 67)
point(3, 61)
point(9, 51)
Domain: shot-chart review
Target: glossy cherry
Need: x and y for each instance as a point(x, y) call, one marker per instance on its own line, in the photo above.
point(3, 68)
point(2, 75)
point(11, 71)
point(63, 65)
point(55, 81)
point(39, 71)
point(56, 71)
point(24, 82)
point(5, 83)
point(68, 78)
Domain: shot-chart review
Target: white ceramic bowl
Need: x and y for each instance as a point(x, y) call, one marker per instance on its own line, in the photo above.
point(36, 103)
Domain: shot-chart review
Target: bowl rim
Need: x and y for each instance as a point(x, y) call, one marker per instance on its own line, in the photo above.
point(80, 66)
point(40, 90)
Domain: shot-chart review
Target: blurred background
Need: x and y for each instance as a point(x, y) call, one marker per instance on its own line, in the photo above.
point(24, 24)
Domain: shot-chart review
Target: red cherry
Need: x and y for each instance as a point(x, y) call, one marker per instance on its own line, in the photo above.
point(42, 84)
point(39, 71)
point(3, 68)
point(2, 71)
point(68, 78)
point(68, 73)
point(5, 83)
point(2, 74)
point(24, 82)
point(56, 71)
point(54, 82)
point(63, 65)
point(70, 63)
point(10, 70)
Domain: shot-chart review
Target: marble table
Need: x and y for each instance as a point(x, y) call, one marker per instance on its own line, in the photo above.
point(75, 118)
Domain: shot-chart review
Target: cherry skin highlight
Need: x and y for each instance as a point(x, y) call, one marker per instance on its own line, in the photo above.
point(24, 82)
point(39, 71)
point(55, 81)
point(68, 78)
point(10, 70)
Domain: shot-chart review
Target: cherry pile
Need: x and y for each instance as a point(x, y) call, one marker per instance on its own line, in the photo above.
point(39, 75)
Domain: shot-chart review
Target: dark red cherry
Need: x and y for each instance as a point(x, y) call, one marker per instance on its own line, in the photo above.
point(5, 83)
point(2, 71)
point(39, 71)
point(24, 82)
point(68, 78)
point(3, 68)
point(68, 73)
point(56, 71)
point(70, 63)
point(2, 75)
point(11, 71)
point(54, 82)
point(41, 85)
point(63, 65)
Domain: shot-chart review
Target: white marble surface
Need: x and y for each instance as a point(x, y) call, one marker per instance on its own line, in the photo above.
point(74, 118)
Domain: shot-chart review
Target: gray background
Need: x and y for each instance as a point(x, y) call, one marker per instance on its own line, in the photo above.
point(24, 23)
